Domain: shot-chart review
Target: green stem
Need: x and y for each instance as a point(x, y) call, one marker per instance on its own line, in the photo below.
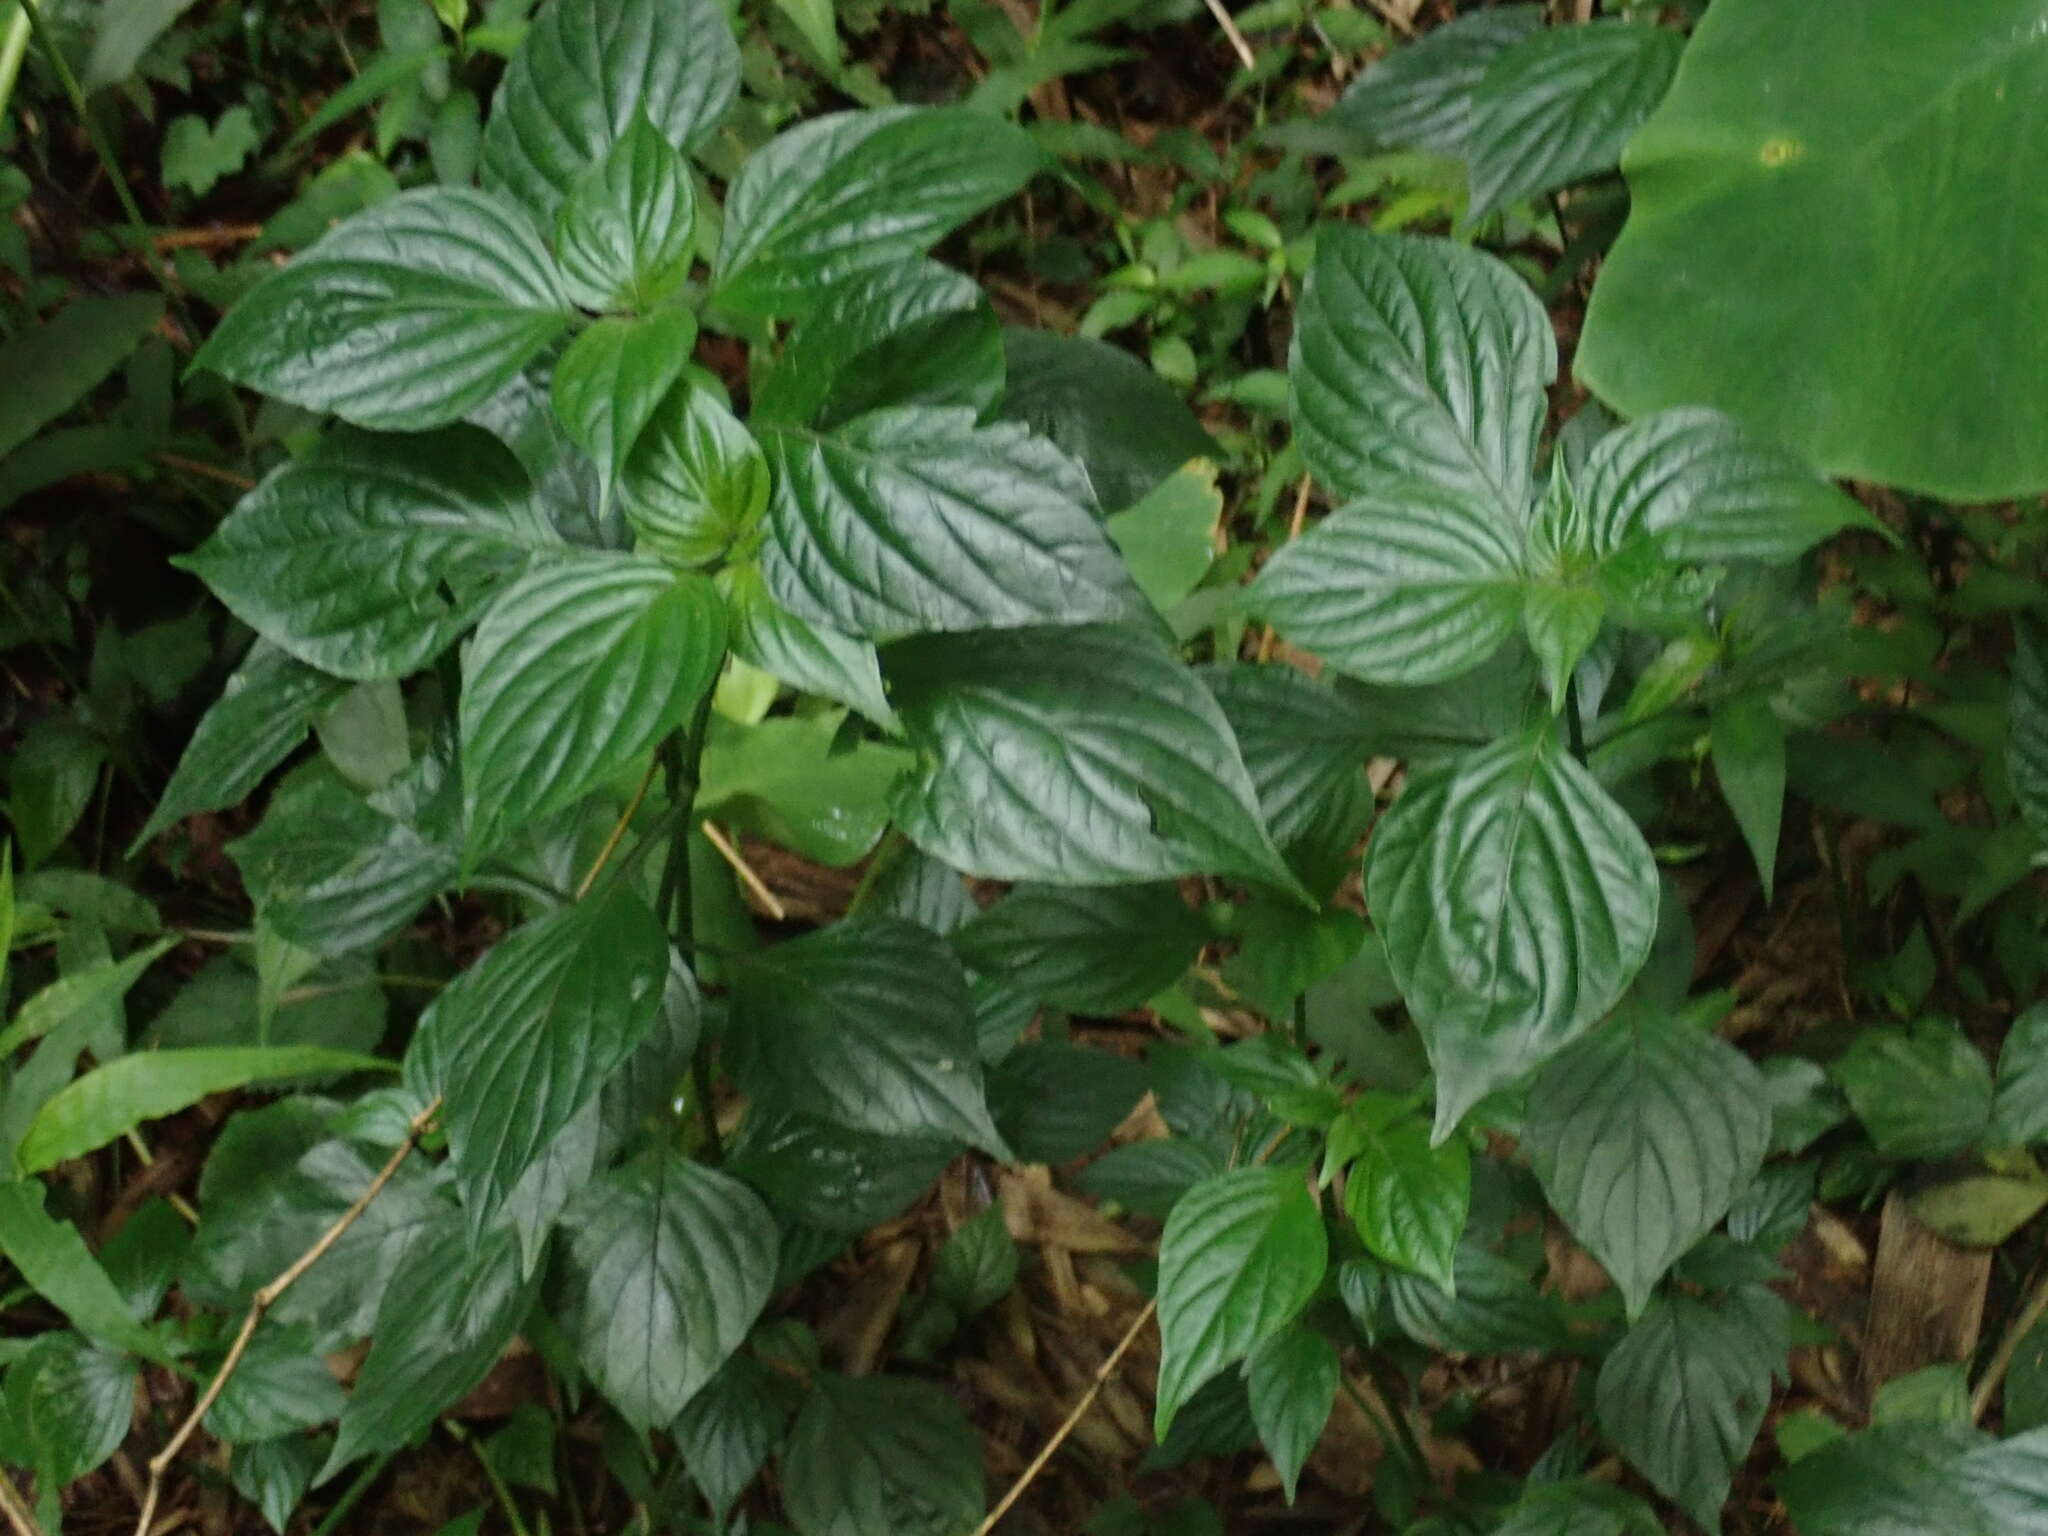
point(13, 44)
point(498, 1488)
point(352, 1496)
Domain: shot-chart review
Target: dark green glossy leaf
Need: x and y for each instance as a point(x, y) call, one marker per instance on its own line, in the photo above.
point(844, 194)
point(274, 1475)
point(74, 1401)
point(66, 356)
point(697, 482)
point(1517, 902)
point(521, 1042)
point(1643, 1135)
point(1581, 1508)
point(812, 658)
point(1055, 1102)
point(1241, 1255)
point(52, 1258)
point(1149, 1176)
point(1492, 1309)
point(281, 1386)
point(1088, 951)
point(576, 671)
point(978, 1266)
point(2019, 1111)
point(1923, 1092)
point(1304, 746)
point(881, 1456)
point(406, 316)
point(51, 780)
point(1408, 1200)
point(1420, 95)
point(1082, 756)
point(1748, 744)
point(834, 1179)
point(613, 378)
point(864, 1024)
point(1766, 269)
point(369, 555)
point(1291, 1380)
point(587, 72)
point(1412, 583)
point(1910, 1479)
point(1419, 360)
point(727, 1431)
point(1558, 106)
point(670, 1263)
point(909, 521)
point(624, 236)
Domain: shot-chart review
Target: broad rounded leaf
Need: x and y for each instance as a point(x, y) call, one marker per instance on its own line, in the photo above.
point(624, 236)
point(1242, 1254)
point(865, 1024)
point(1705, 490)
point(1834, 264)
point(1089, 951)
point(1559, 105)
point(1643, 1135)
point(881, 1456)
point(852, 191)
point(1421, 360)
point(587, 72)
point(1420, 95)
point(1084, 756)
point(834, 1179)
point(72, 1404)
point(577, 670)
point(918, 520)
point(407, 316)
point(726, 1432)
point(1411, 583)
point(614, 376)
point(1683, 1394)
point(1517, 902)
point(670, 1263)
point(369, 555)
point(1291, 1380)
point(696, 482)
point(524, 1039)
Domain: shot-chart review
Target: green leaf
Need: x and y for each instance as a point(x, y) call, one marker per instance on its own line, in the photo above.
point(54, 1262)
point(1241, 1255)
point(2026, 751)
point(1303, 745)
point(1561, 620)
point(816, 24)
point(95, 987)
point(368, 556)
point(696, 482)
point(1909, 1479)
point(1409, 1200)
point(74, 1400)
point(51, 781)
point(195, 156)
point(1557, 107)
point(452, 1307)
point(1517, 901)
point(1411, 583)
point(728, 1430)
point(914, 333)
point(865, 1024)
point(1492, 1308)
point(811, 658)
point(881, 1456)
point(588, 72)
point(1683, 1394)
point(1081, 756)
point(833, 1179)
point(124, 35)
point(1643, 1135)
point(670, 1263)
point(1055, 1102)
point(330, 872)
point(1921, 1093)
point(67, 356)
point(260, 717)
point(614, 377)
point(111, 1100)
point(281, 1387)
point(2019, 1111)
point(625, 236)
point(1292, 1382)
point(1580, 1508)
point(791, 780)
point(915, 520)
point(1418, 359)
point(407, 316)
point(1421, 95)
point(1748, 744)
point(1169, 539)
point(1149, 1176)
point(978, 1266)
point(576, 671)
point(1765, 271)
point(1703, 489)
point(275, 1474)
point(522, 1041)
point(1106, 410)
point(1087, 951)
point(852, 191)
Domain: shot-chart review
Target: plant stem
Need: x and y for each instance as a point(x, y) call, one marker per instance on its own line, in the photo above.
point(504, 1494)
point(13, 44)
point(331, 1522)
point(2008, 1347)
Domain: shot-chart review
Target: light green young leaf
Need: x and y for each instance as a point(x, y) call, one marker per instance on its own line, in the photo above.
point(368, 556)
point(1292, 1382)
point(407, 316)
point(1643, 1135)
point(1748, 744)
point(1420, 95)
point(918, 520)
point(1557, 107)
point(1517, 901)
point(881, 1456)
point(1683, 1394)
point(1080, 756)
point(94, 987)
point(811, 658)
point(111, 1100)
point(791, 780)
point(195, 156)
point(866, 1024)
point(626, 234)
point(587, 72)
point(1419, 360)
point(696, 482)
point(1561, 620)
point(669, 1265)
point(1922, 1092)
point(524, 1039)
point(54, 1261)
point(1169, 539)
point(1410, 583)
point(613, 378)
point(1408, 1200)
point(576, 671)
point(853, 191)
point(815, 21)
point(1241, 1255)
point(1089, 951)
